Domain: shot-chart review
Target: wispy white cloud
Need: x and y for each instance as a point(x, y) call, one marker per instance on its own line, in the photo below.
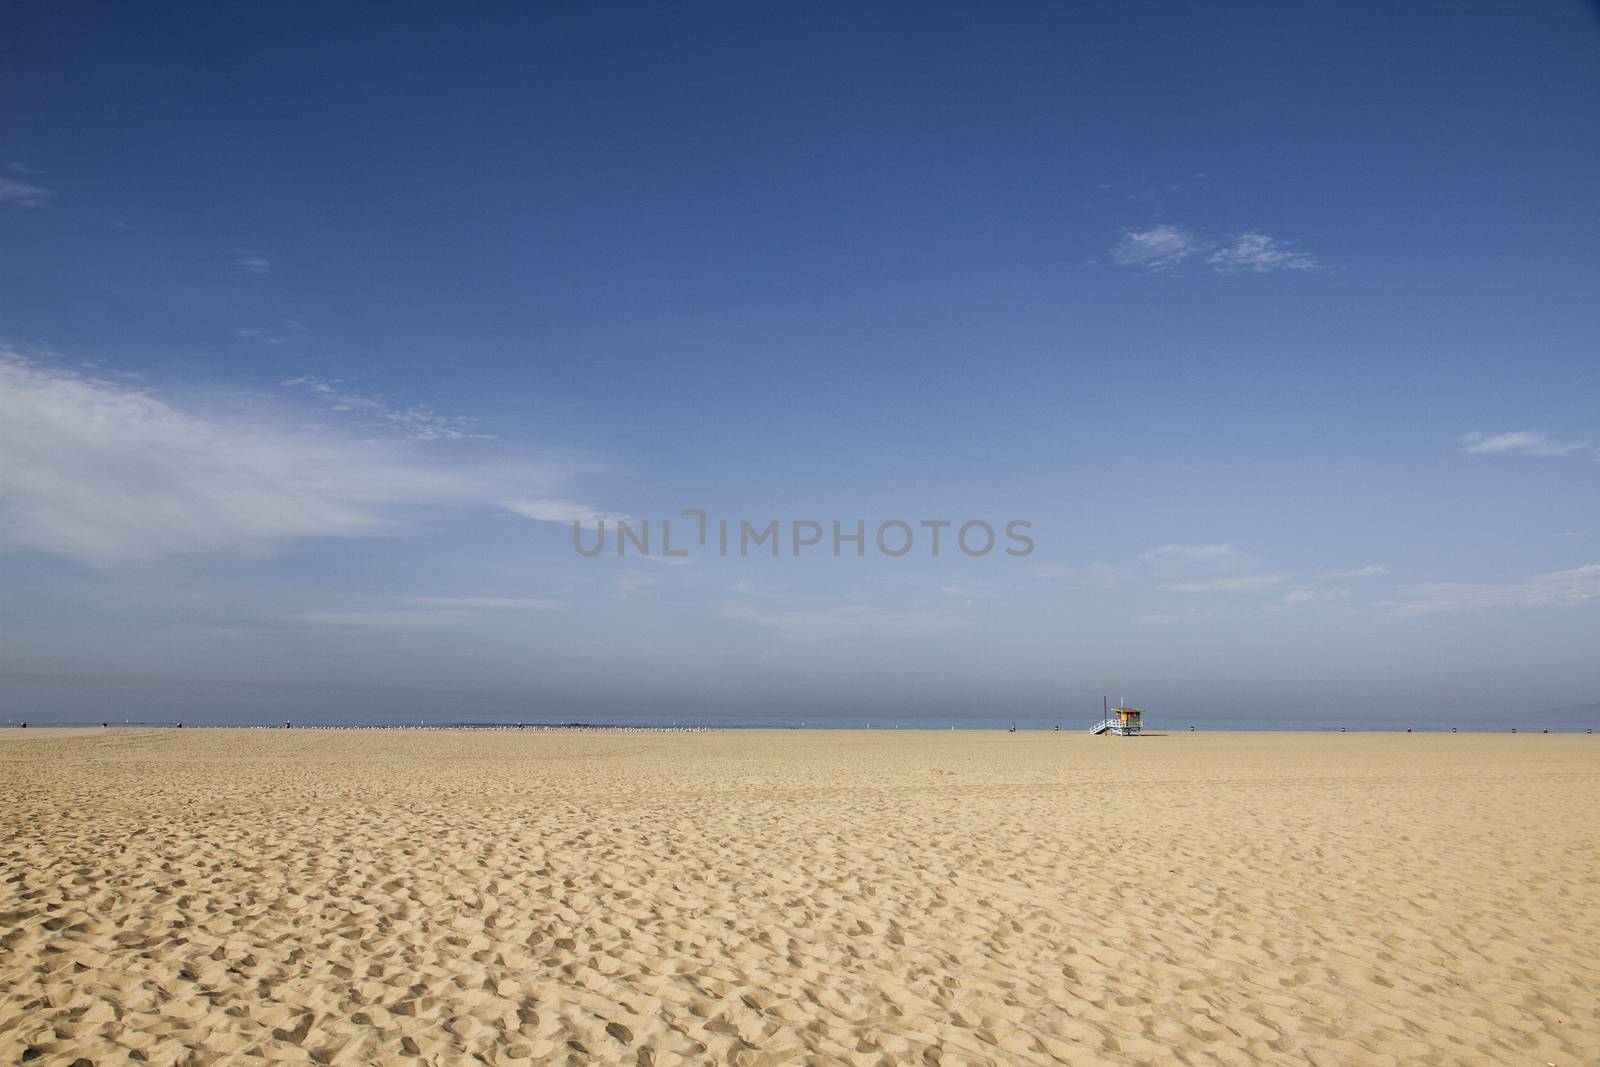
point(1193, 554)
point(1100, 573)
point(1155, 248)
point(417, 421)
point(1580, 585)
point(1371, 570)
point(381, 620)
point(1309, 596)
point(251, 262)
point(1523, 442)
point(427, 612)
point(1204, 568)
point(1163, 247)
point(23, 194)
point(563, 511)
point(278, 335)
point(101, 470)
point(1224, 585)
point(491, 602)
point(1221, 565)
point(1256, 253)
point(630, 582)
point(1160, 620)
point(845, 622)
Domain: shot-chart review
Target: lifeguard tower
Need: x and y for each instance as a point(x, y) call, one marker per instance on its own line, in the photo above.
point(1121, 720)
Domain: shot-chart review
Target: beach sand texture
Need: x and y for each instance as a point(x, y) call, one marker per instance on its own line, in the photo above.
point(410, 897)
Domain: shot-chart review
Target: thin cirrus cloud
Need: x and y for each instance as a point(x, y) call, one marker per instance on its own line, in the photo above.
point(279, 335)
point(1219, 566)
point(491, 602)
point(1310, 596)
point(1568, 588)
point(1209, 554)
point(381, 620)
point(23, 194)
point(427, 611)
point(251, 262)
point(844, 622)
point(1099, 573)
point(100, 470)
point(1205, 568)
point(1257, 253)
point(1371, 570)
point(1519, 442)
point(417, 421)
point(562, 511)
point(1167, 619)
point(1163, 247)
point(1225, 585)
point(1155, 248)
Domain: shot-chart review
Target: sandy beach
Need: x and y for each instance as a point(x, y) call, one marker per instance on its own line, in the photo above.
point(393, 897)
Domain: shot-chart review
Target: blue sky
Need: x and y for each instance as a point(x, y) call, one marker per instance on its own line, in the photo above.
point(1277, 324)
